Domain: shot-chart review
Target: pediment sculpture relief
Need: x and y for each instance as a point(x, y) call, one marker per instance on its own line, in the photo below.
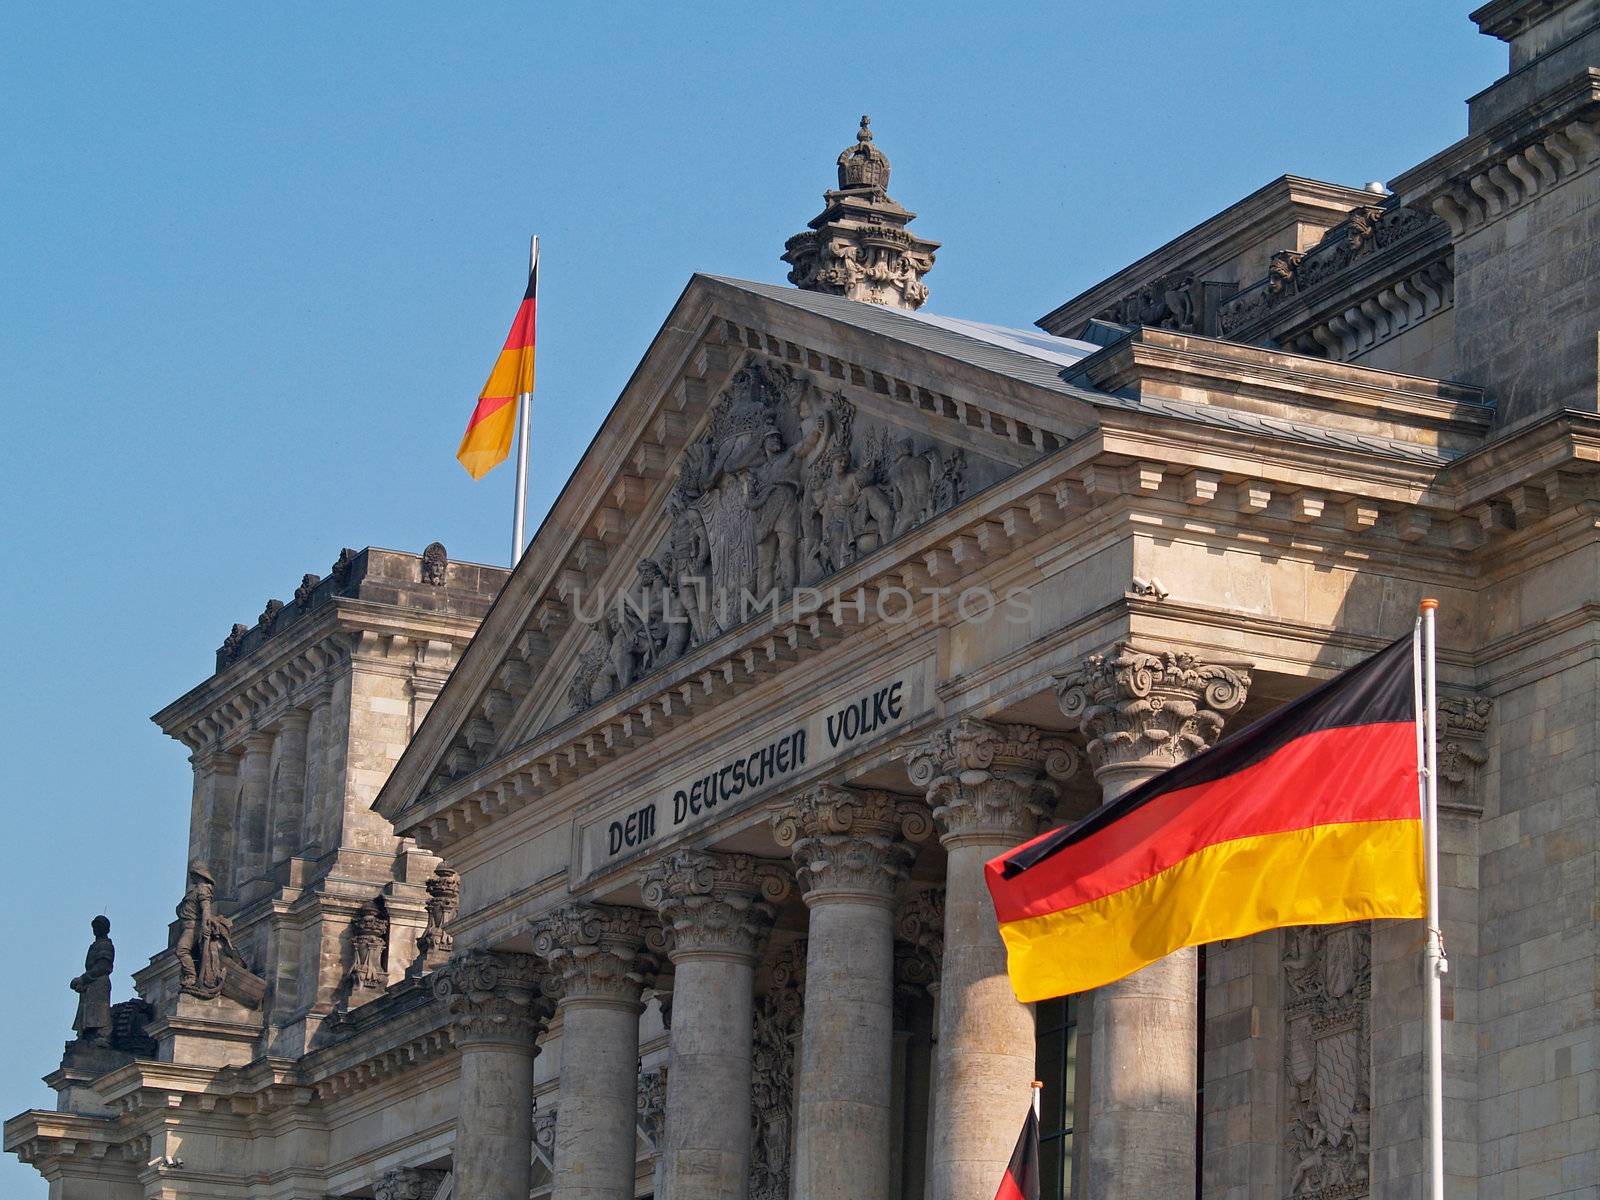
point(785, 488)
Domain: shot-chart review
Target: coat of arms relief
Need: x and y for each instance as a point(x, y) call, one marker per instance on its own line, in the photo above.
point(784, 488)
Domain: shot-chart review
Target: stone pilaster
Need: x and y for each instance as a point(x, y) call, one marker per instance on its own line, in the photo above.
point(718, 911)
point(498, 1009)
point(1142, 712)
point(250, 849)
point(289, 792)
point(217, 780)
point(850, 850)
point(989, 786)
point(597, 953)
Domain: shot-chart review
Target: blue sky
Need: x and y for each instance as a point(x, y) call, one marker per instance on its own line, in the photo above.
point(255, 264)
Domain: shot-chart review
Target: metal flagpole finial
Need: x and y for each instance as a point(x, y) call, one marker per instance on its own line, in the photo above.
point(1428, 604)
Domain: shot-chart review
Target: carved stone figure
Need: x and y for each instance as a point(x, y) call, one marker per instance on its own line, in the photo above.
point(93, 1020)
point(269, 614)
point(857, 517)
point(369, 936)
point(911, 485)
point(667, 627)
point(435, 564)
point(1328, 1052)
point(774, 501)
point(234, 640)
point(689, 568)
point(205, 937)
point(302, 594)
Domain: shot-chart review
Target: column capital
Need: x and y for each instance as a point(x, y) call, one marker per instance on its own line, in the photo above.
point(990, 781)
point(849, 843)
point(258, 741)
point(1144, 710)
point(408, 1183)
point(714, 904)
point(599, 951)
point(919, 939)
point(494, 997)
point(294, 720)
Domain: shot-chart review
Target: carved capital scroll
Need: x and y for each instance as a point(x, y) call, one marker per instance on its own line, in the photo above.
point(598, 951)
point(848, 842)
point(715, 903)
point(494, 997)
point(990, 781)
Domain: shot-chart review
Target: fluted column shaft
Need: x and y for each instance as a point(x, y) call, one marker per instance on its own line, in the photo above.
point(598, 952)
point(849, 852)
point(498, 1007)
point(989, 785)
point(251, 846)
point(1142, 713)
point(717, 911)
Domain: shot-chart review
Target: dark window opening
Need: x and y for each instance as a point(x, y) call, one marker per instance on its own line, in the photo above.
point(1056, 1064)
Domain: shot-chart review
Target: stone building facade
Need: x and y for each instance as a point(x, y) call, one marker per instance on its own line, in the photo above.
point(653, 867)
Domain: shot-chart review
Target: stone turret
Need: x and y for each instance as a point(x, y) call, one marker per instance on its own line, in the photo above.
point(859, 247)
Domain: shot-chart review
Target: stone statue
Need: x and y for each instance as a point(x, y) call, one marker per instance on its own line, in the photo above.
point(857, 517)
point(205, 938)
point(666, 621)
point(444, 897)
point(93, 1021)
point(911, 486)
point(689, 568)
point(774, 499)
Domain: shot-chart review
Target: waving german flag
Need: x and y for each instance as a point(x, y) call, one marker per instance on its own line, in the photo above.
point(494, 421)
point(1310, 816)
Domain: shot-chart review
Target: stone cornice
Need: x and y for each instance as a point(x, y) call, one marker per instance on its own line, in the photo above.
point(1217, 239)
point(1486, 176)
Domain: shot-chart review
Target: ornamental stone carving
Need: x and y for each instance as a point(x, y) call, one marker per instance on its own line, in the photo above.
point(303, 593)
point(783, 489)
point(342, 567)
point(233, 642)
point(1170, 302)
point(598, 951)
point(369, 938)
point(1463, 749)
point(409, 1183)
point(714, 903)
point(444, 897)
point(494, 997)
point(545, 1119)
point(859, 246)
point(435, 565)
point(850, 843)
point(1328, 1061)
point(1144, 711)
point(989, 781)
point(652, 1105)
point(778, 1017)
point(919, 940)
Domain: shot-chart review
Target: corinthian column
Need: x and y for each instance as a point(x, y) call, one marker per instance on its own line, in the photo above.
point(717, 910)
point(598, 952)
point(499, 1010)
point(989, 786)
point(849, 853)
point(1143, 712)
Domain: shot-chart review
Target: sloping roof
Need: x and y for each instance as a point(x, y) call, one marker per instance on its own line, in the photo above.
point(1037, 358)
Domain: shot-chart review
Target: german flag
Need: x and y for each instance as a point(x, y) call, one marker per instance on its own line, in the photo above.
point(1021, 1180)
point(1309, 816)
point(494, 421)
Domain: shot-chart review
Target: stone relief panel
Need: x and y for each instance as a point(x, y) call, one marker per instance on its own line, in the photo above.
point(1328, 1060)
point(777, 1037)
point(788, 485)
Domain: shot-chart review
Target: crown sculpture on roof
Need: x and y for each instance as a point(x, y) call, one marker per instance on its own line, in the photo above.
point(859, 246)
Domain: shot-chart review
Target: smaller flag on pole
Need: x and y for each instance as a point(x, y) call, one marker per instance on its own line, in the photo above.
point(1021, 1180)
point(1307, 817)
point(494, 421)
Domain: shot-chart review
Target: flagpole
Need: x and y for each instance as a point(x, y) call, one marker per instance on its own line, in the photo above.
point(1434, 963)
point(519, 510)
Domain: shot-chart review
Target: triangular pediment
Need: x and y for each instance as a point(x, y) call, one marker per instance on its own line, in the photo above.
point(769, 439)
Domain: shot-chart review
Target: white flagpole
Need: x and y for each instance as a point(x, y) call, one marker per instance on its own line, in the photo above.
point(1434, 964)
point(521, 502)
